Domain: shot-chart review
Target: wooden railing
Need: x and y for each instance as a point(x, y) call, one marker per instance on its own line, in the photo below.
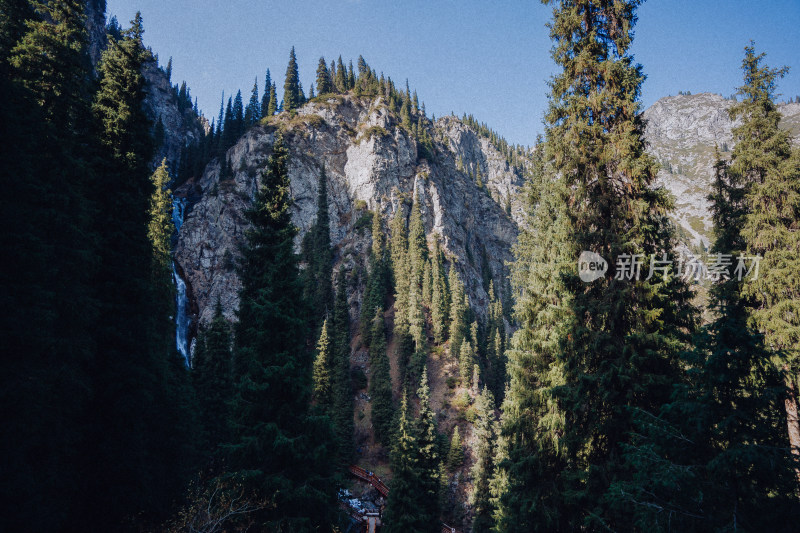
point(370, 478)
point(380, 486)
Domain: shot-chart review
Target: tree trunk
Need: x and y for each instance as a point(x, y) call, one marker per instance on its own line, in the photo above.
point(792, 421)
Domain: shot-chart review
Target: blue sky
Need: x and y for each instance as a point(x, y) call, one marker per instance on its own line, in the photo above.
point(491, 59)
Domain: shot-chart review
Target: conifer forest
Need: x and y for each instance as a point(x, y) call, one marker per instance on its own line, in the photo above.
point(322, 308)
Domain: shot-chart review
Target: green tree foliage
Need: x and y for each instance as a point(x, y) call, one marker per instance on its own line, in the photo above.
point(429, 460)
point(323, 371)
point(466, 358)
point(403, 509)
point(769, 169)
point(455, 456)
point(588, 355)
point(427, 283)
point(292, 94)
point(377, 280)
point(500, 482)
point(416, 319)
point(716, 458)
point(318, 255)
point(324, 82)
point(266, 99)
point(440, 296)
point(400, 270)
point(228, 135)
point(50, 308)
point(410, 341)
point(253, 110)
point(138, 416)
point(380, 385)
point(273, 100)
point(280, 450)
point(159, 227)
point(495, 344)
point(237, 117)
point(213, 380)
point(458, 312)
point(482, 469)
point(417, 244)
point(351, 77)
point(342, 390)
point(102, 415)
point(340, 79)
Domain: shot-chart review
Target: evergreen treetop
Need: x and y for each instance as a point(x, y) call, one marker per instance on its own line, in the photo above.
point(292, 94)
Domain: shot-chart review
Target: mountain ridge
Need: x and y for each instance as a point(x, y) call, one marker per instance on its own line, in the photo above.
point(371, 161)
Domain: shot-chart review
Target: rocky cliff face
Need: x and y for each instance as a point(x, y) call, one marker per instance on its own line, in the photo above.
point(477, 152)
point(180, 128)
point(682, 133)
point(371, 163)
point(95, 11)
point(161, 103)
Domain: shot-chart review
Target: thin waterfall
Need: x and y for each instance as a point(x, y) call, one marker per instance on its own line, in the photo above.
point(182, 319)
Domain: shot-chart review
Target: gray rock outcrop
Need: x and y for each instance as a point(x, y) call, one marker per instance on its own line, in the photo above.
point(682, 133)
point(371, 163)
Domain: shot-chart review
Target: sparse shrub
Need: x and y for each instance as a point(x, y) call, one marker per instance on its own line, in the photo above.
point(462, 401)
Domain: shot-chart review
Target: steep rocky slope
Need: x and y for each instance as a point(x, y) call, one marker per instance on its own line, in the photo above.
point(371, 163)
point(682, 133)
point(181, 128)
point(161, 103)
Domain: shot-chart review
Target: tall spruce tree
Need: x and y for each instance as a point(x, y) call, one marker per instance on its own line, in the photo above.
point(280, 450)
point(400, 270)
point(237, 117)
point(588, 355)
point(351, 76)
point(458, 311)
point(273, 100)
point(137, 439)
point(323, 371)
point(466, 359)
point(50, 308)
point(319, 256)
point(440, 298)
point(483, 467)
point(402, 514)
point(415, 260)
point(342, 390)
point(716, 458)
point(380, 385)
point(253, 110)
point(770, 169)
point(455, 455)
point(159, 227)
point(377, 282)
point(266, 99)
point(324, 83)
point(429, 462)
point(341, 76)
point(292, 95)
point(228, 136)
point(212, 375)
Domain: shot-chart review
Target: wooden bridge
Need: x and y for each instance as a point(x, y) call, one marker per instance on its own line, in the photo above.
point(369, 477)
point(380, 486)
